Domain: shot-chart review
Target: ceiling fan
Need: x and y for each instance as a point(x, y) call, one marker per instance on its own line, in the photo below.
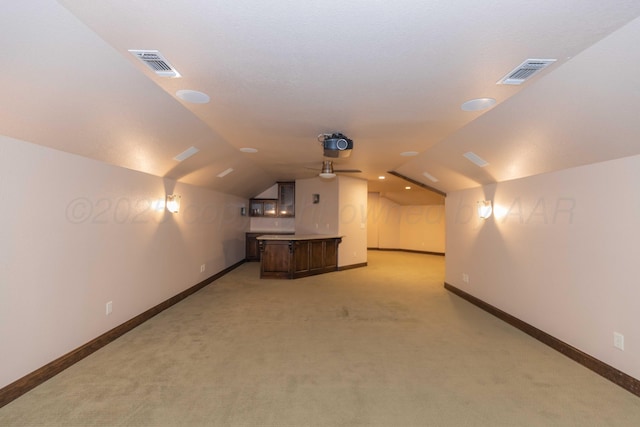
point(335, 145)
point(329, 172)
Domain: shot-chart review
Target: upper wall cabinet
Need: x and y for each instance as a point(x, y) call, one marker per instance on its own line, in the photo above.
point(284, 206)
point(286, 199)
point(263, 207)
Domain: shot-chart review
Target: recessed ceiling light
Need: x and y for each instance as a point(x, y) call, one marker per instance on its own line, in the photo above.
point(249, 150)
point(381, 177)
point(431, 177)
point(407, 188)
point(478, 104)
point(193, 96)
point(409, 153)
point(474, 158)
point(186, 154)
point(225, 173)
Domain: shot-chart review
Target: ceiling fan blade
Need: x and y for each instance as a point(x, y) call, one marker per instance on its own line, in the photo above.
point(327, 166)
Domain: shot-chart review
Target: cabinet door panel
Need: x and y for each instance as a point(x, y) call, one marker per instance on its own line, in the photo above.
point(286, 199)
point(317, 255)
point(252, 247)
point(301, 256)
point(256, 208)
point(269, 207)
point(331, 254)
point(276, 258)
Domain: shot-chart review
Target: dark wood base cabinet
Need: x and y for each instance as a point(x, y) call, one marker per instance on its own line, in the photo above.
point(252, 250)
point(290, 259)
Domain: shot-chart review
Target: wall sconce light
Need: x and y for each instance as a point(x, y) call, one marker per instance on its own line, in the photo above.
point(158, 205)
point(484, 209)
point(173, 203)
point(316, 199)
point(243, 211)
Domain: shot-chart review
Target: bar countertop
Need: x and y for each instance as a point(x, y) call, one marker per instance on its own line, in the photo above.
point(294, 237)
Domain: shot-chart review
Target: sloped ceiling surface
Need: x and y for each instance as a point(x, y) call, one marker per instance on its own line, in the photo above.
point(390, 75)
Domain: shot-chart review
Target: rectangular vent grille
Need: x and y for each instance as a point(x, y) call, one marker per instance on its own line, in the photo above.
point(186, 154)
point(525, 71)
point(474, 158)
point(154, 60)
point(429, 176)
point(225, 173)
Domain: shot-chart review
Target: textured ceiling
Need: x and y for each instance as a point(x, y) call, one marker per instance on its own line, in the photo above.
point(389, 75)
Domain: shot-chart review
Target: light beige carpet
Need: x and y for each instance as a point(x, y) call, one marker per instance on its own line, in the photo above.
point(384, 345)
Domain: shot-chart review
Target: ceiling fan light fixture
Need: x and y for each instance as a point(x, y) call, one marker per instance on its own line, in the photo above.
point(327, 175)
point(327, 170)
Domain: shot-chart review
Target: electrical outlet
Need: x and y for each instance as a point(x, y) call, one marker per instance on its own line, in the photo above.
point(618, 340)
point(109, 308)
point(465, 277)
point(202, 268)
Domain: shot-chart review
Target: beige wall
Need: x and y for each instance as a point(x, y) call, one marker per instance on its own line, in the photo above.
point(392, 226)
point(352, 220)
point(559, 253)
point(317, 218)
point(77, 233)
point(340, 211)
point(373, 236)
point(422, 228)
point(272, 225)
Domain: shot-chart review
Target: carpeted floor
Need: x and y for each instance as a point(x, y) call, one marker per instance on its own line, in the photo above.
point(384, 345)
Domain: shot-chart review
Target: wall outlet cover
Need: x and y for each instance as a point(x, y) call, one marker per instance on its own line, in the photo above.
point(618, 340)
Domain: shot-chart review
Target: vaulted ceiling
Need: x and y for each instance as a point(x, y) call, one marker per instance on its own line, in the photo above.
point(391, 75)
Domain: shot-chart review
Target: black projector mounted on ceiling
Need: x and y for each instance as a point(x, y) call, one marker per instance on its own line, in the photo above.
point(336, 145)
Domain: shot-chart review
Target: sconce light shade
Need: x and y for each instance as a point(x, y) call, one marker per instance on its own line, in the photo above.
point(484, 209)
point(159, 205)
point(327, 169)
point(243, 211)
point(173, 203)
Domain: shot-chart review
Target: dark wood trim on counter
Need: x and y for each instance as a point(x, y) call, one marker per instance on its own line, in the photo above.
point(37, 377)
point(407, 250)
point(352, 266)
point(614, 375)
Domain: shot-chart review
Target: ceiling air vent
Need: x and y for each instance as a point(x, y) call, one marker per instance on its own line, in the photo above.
point(524, 71)
point(474, 158)
point(154, 60)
